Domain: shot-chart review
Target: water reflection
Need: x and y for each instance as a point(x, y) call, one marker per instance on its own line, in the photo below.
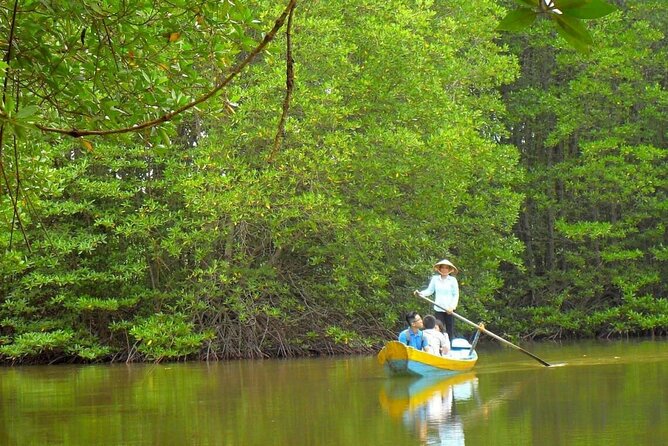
point(613, 394)
point(430, 406)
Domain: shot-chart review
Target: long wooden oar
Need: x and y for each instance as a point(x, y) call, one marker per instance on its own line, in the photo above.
point(487, 332)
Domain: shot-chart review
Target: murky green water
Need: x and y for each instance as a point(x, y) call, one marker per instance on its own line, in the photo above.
point(607, 393)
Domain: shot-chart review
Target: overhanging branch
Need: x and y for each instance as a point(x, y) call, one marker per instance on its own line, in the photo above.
point(169, 116)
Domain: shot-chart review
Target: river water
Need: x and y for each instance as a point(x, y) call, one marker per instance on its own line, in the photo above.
point(601, 393)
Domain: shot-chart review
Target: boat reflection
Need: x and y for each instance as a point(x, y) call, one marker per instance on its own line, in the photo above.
point(429, 406)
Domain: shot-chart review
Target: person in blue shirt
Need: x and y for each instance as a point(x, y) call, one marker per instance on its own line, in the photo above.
point(413, 336)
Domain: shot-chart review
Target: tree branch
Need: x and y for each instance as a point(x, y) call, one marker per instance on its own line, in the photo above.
point(169, 116)
point(16, 217)
point(289, 86)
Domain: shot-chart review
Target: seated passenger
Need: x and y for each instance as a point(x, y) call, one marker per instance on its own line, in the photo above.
point(439, 344)
point(413, 336)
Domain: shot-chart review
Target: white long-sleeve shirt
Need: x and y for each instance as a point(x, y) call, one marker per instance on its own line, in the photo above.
point(445, 291)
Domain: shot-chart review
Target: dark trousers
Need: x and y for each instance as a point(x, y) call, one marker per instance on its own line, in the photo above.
point(449, 322)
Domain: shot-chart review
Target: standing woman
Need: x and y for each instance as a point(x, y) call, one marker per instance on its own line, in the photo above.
point(445, 289)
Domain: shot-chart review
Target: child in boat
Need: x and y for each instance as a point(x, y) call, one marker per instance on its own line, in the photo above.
point(439, 343)
point(413, 335)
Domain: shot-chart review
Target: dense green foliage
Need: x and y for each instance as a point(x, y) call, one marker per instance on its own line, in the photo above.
point(207, 239)
point(592, 132)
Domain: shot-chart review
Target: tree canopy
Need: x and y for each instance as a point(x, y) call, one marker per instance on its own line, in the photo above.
point(274, 180)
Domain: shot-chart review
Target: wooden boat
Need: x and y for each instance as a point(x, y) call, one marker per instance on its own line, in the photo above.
point(399, 359)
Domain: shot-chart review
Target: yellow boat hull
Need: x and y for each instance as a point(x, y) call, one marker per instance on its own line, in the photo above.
point(399, 359)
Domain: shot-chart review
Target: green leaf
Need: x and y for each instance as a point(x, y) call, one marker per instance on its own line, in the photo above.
point(569, 4)
point(8, 106)
point(18, 129)
point(529, 3)
point(164, 136)
point(517, 20)
point(27, 112)
point(574, 32)
point(592, 9)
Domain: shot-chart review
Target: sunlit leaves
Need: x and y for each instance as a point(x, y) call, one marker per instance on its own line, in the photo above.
point(167, 336)
point(34, 343)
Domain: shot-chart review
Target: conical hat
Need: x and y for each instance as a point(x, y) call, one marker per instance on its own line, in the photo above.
point(446, 262)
